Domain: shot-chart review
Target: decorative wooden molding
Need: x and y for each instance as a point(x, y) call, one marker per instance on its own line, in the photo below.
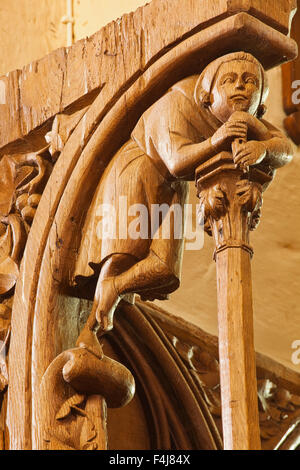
point(278, 388)
point(68, 105)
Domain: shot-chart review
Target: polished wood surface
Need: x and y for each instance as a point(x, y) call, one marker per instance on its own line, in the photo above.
point(66, 129)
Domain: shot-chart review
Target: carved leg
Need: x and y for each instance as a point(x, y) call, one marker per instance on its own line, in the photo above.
point(150, 274)
point(106, 300)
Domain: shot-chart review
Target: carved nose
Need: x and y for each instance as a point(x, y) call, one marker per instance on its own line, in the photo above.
point(240, 85)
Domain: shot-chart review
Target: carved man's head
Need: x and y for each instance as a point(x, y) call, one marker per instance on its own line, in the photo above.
point(235, 82)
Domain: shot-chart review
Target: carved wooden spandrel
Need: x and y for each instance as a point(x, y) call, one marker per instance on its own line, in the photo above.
point(153, 168)
point(220, 110)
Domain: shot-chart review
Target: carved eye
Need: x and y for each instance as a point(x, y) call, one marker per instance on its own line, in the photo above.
point(228, 80)
point(250, 80)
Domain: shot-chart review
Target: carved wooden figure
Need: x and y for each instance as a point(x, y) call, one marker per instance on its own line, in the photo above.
point(197, 119)
point(185, 102)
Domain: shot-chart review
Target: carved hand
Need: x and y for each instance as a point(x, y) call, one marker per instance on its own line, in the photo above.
point(226, 134)
point(256, 128)
point(248, 153)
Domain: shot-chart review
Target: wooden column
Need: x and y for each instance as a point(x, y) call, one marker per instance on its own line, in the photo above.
point(236, 350)
point(231, 203)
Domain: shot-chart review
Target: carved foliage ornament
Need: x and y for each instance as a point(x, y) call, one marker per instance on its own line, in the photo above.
point(23, 178)
point(279, 409)
point(22, 181)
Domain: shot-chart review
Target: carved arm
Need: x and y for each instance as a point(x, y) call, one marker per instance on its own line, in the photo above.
point(273, 153)
point(279, 150)
point(185, 156)
point(182, 156)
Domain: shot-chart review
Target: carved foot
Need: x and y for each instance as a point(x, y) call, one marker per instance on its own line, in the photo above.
point(108, 301)
point(88, 340)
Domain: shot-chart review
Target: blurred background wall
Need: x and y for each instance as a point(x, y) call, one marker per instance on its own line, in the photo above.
point(31, 29)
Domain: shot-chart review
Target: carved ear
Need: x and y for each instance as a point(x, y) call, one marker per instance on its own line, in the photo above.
point(201, 96)
point(261, 110)
point(204, 99)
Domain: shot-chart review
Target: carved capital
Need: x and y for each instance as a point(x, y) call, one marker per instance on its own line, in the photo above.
point(230, 201)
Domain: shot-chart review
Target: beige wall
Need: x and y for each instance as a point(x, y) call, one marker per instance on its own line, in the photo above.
point(32, 28)
point(91, 15)
point(29, 30)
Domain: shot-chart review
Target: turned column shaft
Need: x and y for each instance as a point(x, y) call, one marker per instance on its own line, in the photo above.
point(236, 350)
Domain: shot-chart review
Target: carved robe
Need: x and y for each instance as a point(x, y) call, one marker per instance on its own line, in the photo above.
point(139, 171)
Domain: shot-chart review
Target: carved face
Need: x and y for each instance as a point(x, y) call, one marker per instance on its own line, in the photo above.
point(237, 87)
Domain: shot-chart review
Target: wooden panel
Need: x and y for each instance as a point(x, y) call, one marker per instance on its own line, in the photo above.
point(129, 79)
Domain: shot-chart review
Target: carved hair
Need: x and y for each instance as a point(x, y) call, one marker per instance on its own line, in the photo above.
point(202, 94)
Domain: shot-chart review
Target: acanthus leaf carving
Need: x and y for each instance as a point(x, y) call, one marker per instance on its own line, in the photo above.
point(24, 177)
point(27, 176)
point(221, 204)
point(213, 203)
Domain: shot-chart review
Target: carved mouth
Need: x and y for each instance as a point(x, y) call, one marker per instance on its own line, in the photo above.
point(239, 97)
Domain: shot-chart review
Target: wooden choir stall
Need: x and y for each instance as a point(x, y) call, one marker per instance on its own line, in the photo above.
point(170, 94)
